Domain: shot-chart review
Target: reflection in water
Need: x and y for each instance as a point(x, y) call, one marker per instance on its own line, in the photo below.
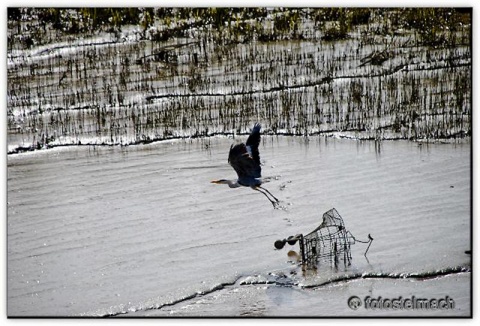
point(294, 256)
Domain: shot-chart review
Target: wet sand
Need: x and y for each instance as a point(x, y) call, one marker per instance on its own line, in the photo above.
point(140, 231)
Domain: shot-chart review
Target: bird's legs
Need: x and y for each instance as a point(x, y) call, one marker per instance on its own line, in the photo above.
point(274, 202)
point(276, 199)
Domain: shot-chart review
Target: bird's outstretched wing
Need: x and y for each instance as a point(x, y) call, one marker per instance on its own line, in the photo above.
point(253, 142)
point(243, 163)
point(245, 158)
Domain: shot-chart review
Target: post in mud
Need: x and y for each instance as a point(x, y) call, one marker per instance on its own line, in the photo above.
point(329, 242)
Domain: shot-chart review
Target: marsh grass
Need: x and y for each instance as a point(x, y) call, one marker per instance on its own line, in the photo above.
point(129, 76)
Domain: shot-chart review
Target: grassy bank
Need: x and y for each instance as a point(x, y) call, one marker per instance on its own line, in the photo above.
point(131, 75)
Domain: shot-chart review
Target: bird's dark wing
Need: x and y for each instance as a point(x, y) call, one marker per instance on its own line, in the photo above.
point(253, 142)
point(243, 163)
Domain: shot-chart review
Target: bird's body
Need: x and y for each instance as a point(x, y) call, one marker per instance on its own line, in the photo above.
point(245, 160)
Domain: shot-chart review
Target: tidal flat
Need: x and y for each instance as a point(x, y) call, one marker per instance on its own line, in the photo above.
point(119, 118)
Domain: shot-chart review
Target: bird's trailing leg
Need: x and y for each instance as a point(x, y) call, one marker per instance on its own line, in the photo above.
point(276, 199)
point(274, 202)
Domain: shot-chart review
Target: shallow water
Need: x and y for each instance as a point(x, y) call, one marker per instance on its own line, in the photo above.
point(128, 230)
point(330, 300)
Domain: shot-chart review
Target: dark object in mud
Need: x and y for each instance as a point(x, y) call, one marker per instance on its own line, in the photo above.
point(328, 242)
point(292, 240)
point(279, 244)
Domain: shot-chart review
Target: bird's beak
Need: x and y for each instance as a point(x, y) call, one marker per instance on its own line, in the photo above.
point(214, 181)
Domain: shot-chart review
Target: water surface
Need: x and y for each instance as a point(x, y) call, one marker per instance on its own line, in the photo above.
point(127, 230)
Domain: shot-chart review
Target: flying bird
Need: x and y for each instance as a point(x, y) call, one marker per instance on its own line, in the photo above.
point(245, 160)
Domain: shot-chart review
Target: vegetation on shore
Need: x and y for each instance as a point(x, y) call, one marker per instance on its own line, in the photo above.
point(135, 75)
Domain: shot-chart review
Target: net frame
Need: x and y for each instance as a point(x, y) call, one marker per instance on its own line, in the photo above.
point(329, 242)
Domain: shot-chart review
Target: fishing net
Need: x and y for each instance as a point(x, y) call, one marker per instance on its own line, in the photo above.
point(329, 242)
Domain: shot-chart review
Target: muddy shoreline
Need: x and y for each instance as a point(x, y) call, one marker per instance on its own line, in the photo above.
point(377, 74)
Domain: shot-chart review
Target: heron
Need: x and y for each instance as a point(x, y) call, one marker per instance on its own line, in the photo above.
point(245, 160)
